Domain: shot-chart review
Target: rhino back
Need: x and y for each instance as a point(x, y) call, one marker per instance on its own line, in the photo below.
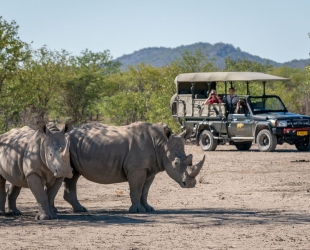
point(13, 145)
point(105, 154)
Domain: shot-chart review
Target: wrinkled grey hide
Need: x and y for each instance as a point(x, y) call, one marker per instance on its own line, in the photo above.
point(38, 160)
point(134, 153)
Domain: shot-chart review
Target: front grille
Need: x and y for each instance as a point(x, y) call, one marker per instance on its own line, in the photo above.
point(299, 122)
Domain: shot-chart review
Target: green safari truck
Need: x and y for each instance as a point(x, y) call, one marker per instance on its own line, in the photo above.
point(264, 121)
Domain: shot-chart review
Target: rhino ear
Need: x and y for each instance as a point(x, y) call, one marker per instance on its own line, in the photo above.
point(68, 126)
point(42, 127)
point(167, 132)
point(186, 133)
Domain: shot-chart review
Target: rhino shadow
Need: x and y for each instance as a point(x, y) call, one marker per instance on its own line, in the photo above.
point(66, 218)
point(235, 217)
point(191, 218)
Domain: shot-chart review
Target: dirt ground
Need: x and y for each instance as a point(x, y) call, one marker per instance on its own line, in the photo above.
point(244, 200)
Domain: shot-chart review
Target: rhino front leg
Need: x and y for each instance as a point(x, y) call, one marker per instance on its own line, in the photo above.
point(70, 193)
point(136, 181)
point(37, 188)
point(51, 194)
point(2, 195)
point(12, 195)
point(145, 193)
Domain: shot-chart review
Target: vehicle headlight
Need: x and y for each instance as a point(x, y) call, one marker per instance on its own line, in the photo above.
point(281, 123)
point(273, 122)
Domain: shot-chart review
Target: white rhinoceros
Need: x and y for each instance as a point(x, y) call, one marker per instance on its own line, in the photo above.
point(133, 153)
point(34, 159)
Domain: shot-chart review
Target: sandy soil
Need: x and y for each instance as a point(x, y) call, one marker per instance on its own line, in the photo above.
point(244, 200)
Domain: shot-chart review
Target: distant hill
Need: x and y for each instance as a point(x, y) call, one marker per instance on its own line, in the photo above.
point(161, 56)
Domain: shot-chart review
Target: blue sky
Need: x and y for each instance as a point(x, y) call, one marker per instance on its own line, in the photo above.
point(273, 29)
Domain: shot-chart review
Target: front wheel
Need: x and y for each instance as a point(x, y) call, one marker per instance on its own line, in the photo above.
point(207, 141)
point(303, 145)
point(266, 141)
point(244, 146)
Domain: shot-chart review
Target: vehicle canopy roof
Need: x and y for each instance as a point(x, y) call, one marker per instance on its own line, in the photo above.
point(227, 76)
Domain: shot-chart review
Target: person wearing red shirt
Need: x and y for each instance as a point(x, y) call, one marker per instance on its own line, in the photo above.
point(213, 98)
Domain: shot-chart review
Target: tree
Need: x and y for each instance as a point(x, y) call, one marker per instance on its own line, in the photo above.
point(131, 102)
point(13, 51)
point(243, 65)
point(44, 74)
point(86, 87)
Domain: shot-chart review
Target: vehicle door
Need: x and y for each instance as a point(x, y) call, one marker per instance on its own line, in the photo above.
point(240, 125)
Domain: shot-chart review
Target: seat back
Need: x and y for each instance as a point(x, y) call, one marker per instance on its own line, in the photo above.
point(214, 110)
point(184, 105)
point(198, 106)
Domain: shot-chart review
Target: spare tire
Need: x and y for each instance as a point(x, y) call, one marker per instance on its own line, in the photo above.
point(173, 98)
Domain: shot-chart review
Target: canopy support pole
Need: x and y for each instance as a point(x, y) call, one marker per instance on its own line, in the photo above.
point(264, 88)
point(247, 88)
point(209, 83)
point(193, 96)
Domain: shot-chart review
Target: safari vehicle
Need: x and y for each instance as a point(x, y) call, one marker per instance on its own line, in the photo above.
point(265, 120)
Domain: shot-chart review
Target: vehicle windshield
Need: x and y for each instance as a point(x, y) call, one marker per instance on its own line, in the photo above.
point(262, 104)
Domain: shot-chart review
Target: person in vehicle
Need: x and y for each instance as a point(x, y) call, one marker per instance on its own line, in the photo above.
point(241, 107)
point(231, 100)
point(213, 98)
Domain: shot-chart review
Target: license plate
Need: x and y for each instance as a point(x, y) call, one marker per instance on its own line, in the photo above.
point(301, 133)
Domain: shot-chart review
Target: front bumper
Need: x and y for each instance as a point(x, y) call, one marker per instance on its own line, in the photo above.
point(292, 132)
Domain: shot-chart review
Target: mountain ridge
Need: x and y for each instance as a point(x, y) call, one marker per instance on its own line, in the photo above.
point(162, 56)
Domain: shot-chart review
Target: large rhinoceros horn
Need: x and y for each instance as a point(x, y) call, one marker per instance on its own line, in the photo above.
point(193, 171)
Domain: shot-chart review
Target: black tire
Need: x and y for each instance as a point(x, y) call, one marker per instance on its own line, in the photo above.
point(207, 141)
point(303, 145)
point(266, 141)
point(244, 146)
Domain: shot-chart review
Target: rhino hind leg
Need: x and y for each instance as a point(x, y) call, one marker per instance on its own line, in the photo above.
point(2, 195)
point(12, 194)
point(144, 195)
point(70, 194)
point(136, 181)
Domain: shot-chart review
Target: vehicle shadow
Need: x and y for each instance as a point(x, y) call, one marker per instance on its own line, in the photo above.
point(257, 151)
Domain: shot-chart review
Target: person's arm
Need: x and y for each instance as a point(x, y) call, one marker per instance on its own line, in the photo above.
point(235, 100)
point(208, 100)
point(219, 99)
point(237, 108)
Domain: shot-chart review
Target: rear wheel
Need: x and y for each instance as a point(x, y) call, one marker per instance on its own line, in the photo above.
point(266, 141)
point(207, 141)
point(303, 145)
point(244, 146)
